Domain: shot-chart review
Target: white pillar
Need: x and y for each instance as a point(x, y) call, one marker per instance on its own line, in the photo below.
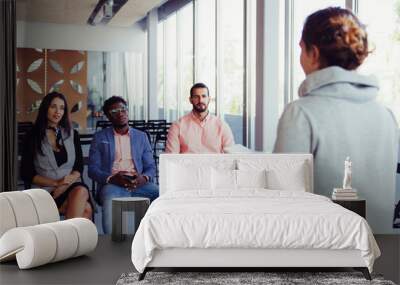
point(152, 22)
point(268, 74)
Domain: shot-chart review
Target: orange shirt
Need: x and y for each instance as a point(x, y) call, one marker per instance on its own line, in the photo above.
point(191, 135)
point(123, 158)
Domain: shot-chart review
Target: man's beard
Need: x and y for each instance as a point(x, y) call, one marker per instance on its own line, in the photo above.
point(200, 108)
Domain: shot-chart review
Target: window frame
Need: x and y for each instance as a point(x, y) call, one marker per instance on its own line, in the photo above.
point(248, 90)
point(288, 95)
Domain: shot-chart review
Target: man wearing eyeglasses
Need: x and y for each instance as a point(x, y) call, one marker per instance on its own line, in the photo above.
point(120, 160)
point(199, 131)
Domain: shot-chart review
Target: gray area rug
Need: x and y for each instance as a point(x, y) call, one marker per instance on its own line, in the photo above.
point(228, 278)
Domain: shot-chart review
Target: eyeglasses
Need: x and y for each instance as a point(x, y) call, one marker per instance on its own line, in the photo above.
point(114, 112)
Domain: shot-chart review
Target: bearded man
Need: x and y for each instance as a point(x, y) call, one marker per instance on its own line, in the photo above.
point(199, 131)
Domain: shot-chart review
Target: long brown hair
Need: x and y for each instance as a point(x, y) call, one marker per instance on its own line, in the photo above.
point(40, 126)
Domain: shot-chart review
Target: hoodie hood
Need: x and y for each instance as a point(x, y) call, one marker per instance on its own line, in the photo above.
point(337, 82)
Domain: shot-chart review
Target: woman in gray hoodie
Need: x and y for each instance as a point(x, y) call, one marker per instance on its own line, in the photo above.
point(337, 115)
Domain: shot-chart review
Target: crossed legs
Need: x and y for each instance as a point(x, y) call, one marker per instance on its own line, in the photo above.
point(77, 205)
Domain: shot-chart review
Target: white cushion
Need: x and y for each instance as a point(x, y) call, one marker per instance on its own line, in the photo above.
point(44, 204)
point(167, 168)
point(7, 218)
point(223, 179)
point(228, 179)
point(182, 177)
point(251, 161)
point(281, 174)
point(34, 244)
point(66, 237)
point(251, 178)
point(87, 235)
point(23, 208)
point(292, 179)
point(26, 208)
point(40, 244)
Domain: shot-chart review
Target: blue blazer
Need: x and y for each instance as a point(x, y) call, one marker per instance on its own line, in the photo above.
point(102, 155)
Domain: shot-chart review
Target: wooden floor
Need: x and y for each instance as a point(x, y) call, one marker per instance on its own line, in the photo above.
point(110, 260)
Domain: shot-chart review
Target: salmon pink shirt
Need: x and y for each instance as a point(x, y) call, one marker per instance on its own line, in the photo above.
point(123, 157)
point(191, 135)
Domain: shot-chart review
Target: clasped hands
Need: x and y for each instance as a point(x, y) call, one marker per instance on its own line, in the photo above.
point(63, 183)
point(127, 180)
point(68, 179)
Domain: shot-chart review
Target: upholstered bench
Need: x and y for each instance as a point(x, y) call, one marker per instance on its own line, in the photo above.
point(31, 231)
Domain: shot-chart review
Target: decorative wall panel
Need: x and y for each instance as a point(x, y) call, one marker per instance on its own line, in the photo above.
point(30, 82)
point(67, 74)
point(42, 71)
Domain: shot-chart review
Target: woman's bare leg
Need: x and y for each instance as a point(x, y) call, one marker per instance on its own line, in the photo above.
point(88, 212)
point(77, 200)
point(63, 208)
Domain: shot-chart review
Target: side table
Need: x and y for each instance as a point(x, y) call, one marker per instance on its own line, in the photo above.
point(358, 206)
point(139, 205)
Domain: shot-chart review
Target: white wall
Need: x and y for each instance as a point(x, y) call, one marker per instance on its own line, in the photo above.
point(80, 37)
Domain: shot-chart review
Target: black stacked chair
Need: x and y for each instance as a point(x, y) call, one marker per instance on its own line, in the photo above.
point(155, 128)
point(103, 124)
point(86, 139)
point(22, 129)
point(137, 123)
point(24, 126)
point(132, 123)
point(159, 131)
point(159, 143)
point(157, 123)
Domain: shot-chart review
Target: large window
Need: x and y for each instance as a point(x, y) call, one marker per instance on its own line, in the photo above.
point(205, 41)
point(249, 104)
point(297, 15)
point(230, 52)
point(160, 71)
point(209, 41)
point(175, 63)
point(382, 19)
point(185, 57)
point(170, 69)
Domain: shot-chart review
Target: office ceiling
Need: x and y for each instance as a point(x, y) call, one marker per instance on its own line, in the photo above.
point(77, 12)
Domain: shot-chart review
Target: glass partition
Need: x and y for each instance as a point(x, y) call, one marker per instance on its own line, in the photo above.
point(86, 78)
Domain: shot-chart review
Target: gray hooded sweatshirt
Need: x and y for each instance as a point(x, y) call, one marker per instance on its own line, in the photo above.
point(337, 116)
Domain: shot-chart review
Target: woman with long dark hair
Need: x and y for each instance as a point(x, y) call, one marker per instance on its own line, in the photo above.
point(52, 158)
point(337, 115)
